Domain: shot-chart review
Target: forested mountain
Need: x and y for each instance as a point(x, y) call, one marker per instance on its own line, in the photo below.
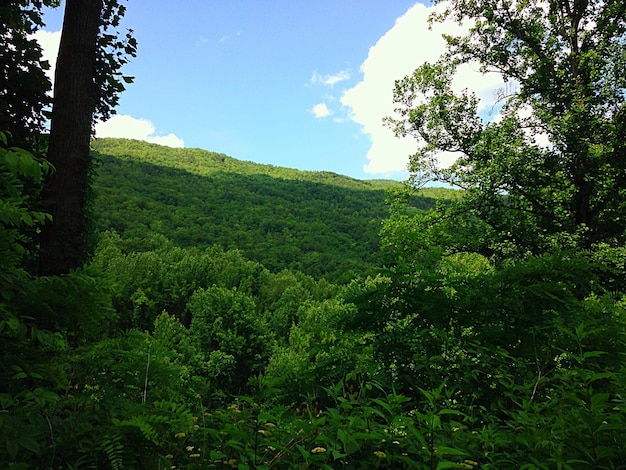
point(234, 315)
point(320, 223)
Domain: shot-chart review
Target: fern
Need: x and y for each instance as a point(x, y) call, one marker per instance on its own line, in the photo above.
point(139, 422)
point(113, 449)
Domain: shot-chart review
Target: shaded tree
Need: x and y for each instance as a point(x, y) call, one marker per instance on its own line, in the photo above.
point(86, 86)
point(23, 82)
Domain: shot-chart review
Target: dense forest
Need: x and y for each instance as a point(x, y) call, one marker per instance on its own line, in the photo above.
point(176, 308)
point(319, 223)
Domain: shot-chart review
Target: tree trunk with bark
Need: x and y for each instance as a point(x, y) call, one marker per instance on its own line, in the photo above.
point(63, 242)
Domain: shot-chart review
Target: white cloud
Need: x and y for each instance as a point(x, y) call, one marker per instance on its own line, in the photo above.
point(330, 80)
point(320, 110)
point(128, 127)
point(119, 125)
point(49, 42)
point(407, 45)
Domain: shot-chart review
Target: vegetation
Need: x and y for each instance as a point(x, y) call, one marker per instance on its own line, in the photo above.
point(490, 335)
point(323, 224)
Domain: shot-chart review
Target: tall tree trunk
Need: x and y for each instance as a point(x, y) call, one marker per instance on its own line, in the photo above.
point(63, 245)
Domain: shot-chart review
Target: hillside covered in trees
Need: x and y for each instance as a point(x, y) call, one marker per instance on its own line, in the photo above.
point(180, 309)
point(319, 223)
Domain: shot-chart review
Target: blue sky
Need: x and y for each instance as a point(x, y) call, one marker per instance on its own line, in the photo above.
point(295, 83)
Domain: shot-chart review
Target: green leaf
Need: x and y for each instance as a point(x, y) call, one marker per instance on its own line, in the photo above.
point(29, 443)
point(442, 450)
point(12, 447)
point(442, 465)
point(6, 400)
point(338, 455)
point(599, 401)
point(447, 411)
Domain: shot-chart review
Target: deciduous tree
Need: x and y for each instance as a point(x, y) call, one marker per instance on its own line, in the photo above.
point(551, 170)
point(86, 85)
point(23, 83)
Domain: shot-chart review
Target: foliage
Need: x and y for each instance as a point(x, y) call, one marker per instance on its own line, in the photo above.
point(550, 171)
point(147, 283)
point(320, 224)
point(41, 319)
point(17, 218)
point(225, 326)
point(203, 163)
point(24, 99)
point(114, 50)
point(490, 336)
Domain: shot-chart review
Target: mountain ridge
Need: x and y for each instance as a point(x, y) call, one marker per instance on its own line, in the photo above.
point(320, 223)
point(203, 162)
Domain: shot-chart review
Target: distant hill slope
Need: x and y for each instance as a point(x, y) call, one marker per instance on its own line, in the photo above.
point(202, 162)
point(320, 223)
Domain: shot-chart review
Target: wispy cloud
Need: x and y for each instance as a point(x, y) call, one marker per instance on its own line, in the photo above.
point(332, 79)
point(320, 110)
point(201, 41)
point(227, 37)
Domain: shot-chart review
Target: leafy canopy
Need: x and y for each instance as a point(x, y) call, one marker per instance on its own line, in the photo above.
point(551, 169)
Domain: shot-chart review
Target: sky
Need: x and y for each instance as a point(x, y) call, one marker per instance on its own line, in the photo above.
point(293, 83)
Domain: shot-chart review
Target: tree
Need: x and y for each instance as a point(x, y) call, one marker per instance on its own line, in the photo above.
point(85, 86)
point(23, 83)
point(523, 330)
point(552, 169)
point(226, 328)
